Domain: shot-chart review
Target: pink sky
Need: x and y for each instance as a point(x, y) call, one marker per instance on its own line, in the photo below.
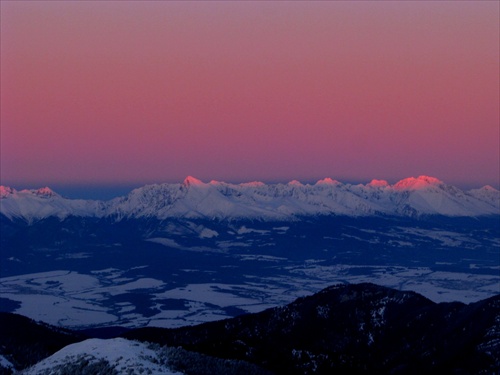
point(140, 92)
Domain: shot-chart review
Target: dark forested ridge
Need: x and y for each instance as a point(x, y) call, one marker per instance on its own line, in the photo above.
point(361, 328)
point(24, 342)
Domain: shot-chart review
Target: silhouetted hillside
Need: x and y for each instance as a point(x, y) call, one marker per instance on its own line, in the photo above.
point(362, 328)
point(24, 342)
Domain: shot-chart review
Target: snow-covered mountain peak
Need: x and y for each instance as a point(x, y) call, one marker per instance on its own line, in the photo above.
point(328, 181)
point(418, 183)
point(45, 192)
point(489, 188)
point(192, 181)
point(488, 194)
point(5, 191)
point(295, 183)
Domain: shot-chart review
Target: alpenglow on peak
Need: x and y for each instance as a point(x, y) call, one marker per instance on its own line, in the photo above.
point(190, 180)
point(283, 201)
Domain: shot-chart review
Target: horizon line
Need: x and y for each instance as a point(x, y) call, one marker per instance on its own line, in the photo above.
point(109, 190)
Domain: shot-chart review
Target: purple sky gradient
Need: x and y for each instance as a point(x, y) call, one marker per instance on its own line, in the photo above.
point(129, 93)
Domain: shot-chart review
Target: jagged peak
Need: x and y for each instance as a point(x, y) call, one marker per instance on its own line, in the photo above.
point(45, 192)
point(421, 182)
point(192, 181)
point(328, 181)
point(489, 188)
point(251, 199)
point(6, 191)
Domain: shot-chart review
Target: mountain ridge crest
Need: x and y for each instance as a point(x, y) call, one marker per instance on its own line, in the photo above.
point(193, 198)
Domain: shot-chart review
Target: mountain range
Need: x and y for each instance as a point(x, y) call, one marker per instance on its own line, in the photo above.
point(410, 197)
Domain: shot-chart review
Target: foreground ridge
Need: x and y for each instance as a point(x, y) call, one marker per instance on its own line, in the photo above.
point(356, 328)
point(410, 197)
point(360, 328)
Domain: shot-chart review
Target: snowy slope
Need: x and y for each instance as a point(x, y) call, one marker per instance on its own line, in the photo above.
point(32, 205)
point(255, 200)
point(125, 356)
point(5, 364)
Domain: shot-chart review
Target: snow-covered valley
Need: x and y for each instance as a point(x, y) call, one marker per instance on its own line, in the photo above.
point(135, 272)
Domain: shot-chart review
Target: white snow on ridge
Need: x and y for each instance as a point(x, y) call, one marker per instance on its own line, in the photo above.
point(125, 356)
point(5, 363)
point(194, 199)
point(32, 205)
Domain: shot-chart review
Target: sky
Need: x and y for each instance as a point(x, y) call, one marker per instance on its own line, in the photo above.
point(128, 93)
